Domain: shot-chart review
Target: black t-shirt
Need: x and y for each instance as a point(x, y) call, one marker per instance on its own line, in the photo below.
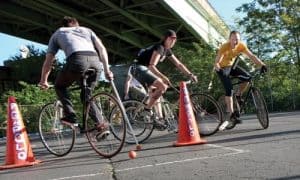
point(144, 55)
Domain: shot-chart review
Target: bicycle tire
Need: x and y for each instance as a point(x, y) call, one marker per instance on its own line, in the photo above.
point(208, 114)
point(170, 115)
point(109, 144)
point(261, 108)
point(57, 137)
point(222, 104)
point(141, 128)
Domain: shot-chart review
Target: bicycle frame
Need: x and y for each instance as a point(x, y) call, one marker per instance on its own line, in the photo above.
point(241, 107)
point(167, 112)
point(106, 141)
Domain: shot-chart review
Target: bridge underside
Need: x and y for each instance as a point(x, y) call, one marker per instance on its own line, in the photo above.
point(123, 25)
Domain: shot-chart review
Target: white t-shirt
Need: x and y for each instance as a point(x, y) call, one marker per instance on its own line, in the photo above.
point(134, 82)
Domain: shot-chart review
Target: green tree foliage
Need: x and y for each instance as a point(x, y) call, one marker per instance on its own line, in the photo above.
point(30, 100)
point(272, 30)
point(29, 69)
point(199, 58)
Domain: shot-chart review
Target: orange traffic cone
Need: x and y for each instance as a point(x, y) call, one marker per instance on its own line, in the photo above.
point(18, 148)
point(188, 133)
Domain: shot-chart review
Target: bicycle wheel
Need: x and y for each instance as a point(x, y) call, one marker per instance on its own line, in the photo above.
point(208, 114)
point(142, 126)
point(261, 108)
point(57, 137)
point(222, 104)
point(110, 143)
point(170, 112)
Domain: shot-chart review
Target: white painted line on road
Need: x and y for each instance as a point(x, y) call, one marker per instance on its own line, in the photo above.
point(79, 176)
point(229, 148)
point(236, 151)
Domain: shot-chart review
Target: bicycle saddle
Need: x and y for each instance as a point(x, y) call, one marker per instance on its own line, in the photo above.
point(90, 72)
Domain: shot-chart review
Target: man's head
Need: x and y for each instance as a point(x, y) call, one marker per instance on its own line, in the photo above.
point(234, 38)
point(169, 38)
point(69, 22)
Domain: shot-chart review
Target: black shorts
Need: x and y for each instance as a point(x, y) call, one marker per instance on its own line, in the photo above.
point(225, 78)
point(143, 75)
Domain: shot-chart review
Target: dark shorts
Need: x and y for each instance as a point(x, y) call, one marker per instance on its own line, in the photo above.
point(143, 75)
point(225, 77)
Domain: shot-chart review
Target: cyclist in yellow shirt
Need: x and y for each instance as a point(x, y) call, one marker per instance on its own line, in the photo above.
point(223, 66)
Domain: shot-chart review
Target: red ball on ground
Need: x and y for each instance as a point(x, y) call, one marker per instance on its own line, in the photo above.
point(132, 154)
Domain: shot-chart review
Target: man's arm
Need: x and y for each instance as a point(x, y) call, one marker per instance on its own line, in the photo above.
point(218, 59)
point(254, 58)
point(46, 69)
point(103, 57)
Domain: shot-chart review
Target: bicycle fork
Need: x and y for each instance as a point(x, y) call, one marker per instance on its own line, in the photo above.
point(237, 108)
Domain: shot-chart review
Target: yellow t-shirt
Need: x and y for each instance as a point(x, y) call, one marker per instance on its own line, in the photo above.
point(230, 54)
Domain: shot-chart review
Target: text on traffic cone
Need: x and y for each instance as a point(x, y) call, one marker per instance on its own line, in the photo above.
point(18, 148)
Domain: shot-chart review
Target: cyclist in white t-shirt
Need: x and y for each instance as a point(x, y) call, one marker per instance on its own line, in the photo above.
point(134, 86)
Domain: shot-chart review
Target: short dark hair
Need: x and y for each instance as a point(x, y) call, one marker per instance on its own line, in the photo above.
point(169, 33)
point(67, 19)
point(234, 32)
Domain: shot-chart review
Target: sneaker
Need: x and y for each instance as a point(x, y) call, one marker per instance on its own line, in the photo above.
point(69, 119)
point(102, 131)
point(160, 124)
point(235, 119)
point(148, 111)
point(227, 118)
point(147, 114)
point(102, 135)
point(102, 126)
point(224, 125)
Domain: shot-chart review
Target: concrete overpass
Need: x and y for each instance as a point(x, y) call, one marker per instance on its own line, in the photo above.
point(125, 26)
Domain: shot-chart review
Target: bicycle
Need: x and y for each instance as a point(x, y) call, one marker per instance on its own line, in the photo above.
point(208, 115)
point(59, 138)
point(240, 107)
point(144, 129)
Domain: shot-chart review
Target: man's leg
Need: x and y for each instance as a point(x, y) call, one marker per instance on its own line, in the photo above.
point(229, 104)
point(229, 112)
point(244, 76)
point(228, 99)
point(64, 80)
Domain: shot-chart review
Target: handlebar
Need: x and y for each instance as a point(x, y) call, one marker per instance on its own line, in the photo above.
point(176, 89)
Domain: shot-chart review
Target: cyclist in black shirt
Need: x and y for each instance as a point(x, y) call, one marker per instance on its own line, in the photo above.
point(147, 73)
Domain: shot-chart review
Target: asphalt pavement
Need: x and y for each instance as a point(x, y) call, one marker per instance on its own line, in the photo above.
point(245, 152)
